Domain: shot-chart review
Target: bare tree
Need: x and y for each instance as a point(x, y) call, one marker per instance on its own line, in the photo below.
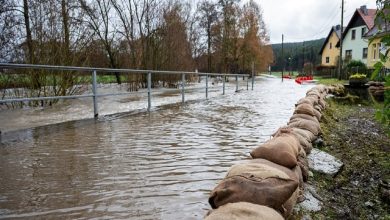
point(208, 15)
point(99, 20)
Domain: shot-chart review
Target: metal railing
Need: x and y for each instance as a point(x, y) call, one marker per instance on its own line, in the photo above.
point(95, 95)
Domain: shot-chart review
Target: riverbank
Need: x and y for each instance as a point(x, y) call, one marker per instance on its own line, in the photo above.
point(360, 190)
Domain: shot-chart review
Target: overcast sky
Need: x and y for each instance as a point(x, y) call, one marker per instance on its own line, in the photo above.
point(301, 20)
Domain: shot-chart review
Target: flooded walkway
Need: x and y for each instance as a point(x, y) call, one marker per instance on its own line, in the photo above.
point(160, 165)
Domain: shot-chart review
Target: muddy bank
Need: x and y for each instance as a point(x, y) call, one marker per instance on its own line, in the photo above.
point(360, 190)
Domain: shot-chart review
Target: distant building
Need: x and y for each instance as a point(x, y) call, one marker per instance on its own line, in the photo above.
point(355, 45)
point(330, 51)
point(375, 47)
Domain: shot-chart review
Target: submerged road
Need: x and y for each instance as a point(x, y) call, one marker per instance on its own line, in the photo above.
point(160, 165)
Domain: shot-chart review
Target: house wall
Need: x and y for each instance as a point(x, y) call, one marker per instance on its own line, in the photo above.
point(333, 53)
point(356, 45)
point(371, 50)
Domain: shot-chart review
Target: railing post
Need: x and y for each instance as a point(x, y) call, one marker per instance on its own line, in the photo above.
point(94, 90)
point(207, 86)
point(183, 81)
point(247, 83)
point(149, 91)
point(253, 74)
point(236, 83)
point(223, 83)
point(253, 80)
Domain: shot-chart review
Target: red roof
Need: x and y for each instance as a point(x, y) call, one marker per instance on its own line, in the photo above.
point(369, 19)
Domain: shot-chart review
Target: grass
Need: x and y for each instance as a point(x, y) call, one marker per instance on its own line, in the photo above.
point(329, 81)
point(279, 74)
point(352, 135)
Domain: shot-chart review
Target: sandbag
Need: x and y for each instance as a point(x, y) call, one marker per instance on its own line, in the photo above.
point(313, 127)
point(317, 114)
point(308, 100)
point(243, 211)
point(295, 174)
point(318, 108)
point(255, 183)
point(304, 116)
point(288, 206)
point(304, 137)
point(309, 136)
point(320, 88)
point(305, 144)
point(313, 93)
point(322, 103)
point(292, 173)
point(305, 109)
point(298, 172)
point(282, 150)
point(304, 166)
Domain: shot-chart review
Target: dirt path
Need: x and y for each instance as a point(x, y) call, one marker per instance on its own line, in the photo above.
point(361, 189)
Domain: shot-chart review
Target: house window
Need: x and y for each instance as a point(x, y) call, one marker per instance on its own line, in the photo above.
point(327, 59)
point(348, 54)
point(330, 45)
point(365, 53)
point(374, 51)
point(379, 47)
point(353, 35)
point(363, 32)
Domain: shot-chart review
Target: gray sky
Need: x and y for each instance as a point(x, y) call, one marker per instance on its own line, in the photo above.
point(301, 20)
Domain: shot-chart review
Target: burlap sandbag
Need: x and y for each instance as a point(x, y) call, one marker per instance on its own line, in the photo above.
point(319, 88)
point(303, 137)
point(304, 165)
point(322, 103)
point(298, 172)
point(309, 136)
point(305, 109)
point(243, 211)
point(313, 127)
point(313, 93)
point(317, 114)
point(288, 206)
point(255, 183)
point(282, 150)
point(318, 108)
point(308, 100)
point(304, 116)
point(295, 174)
point(292, 173)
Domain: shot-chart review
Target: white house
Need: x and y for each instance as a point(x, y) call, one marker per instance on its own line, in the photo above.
point(355, 45)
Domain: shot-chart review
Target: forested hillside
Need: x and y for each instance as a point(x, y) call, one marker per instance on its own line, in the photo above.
point(296, 54)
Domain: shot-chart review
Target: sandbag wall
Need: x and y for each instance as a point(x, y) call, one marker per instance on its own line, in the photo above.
point(269, 185)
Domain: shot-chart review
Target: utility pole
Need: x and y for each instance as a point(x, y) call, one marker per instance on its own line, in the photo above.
point(282, 56)
point(303, 57)
point(341, 40)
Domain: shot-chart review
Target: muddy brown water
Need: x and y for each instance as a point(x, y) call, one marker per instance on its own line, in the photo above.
point(160, 165)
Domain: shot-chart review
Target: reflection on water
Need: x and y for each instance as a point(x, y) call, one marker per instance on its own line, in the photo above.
point(160, 165)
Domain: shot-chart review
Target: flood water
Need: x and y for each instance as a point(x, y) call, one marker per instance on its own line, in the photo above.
point(161, 165)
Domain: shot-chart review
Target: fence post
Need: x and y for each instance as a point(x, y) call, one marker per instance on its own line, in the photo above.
point(236, 83)
point(183, 81)
point(253, 78)
point(247, 83)
point(149, 91)
point(223, 83)
point(94, 90)
point(207, 86)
